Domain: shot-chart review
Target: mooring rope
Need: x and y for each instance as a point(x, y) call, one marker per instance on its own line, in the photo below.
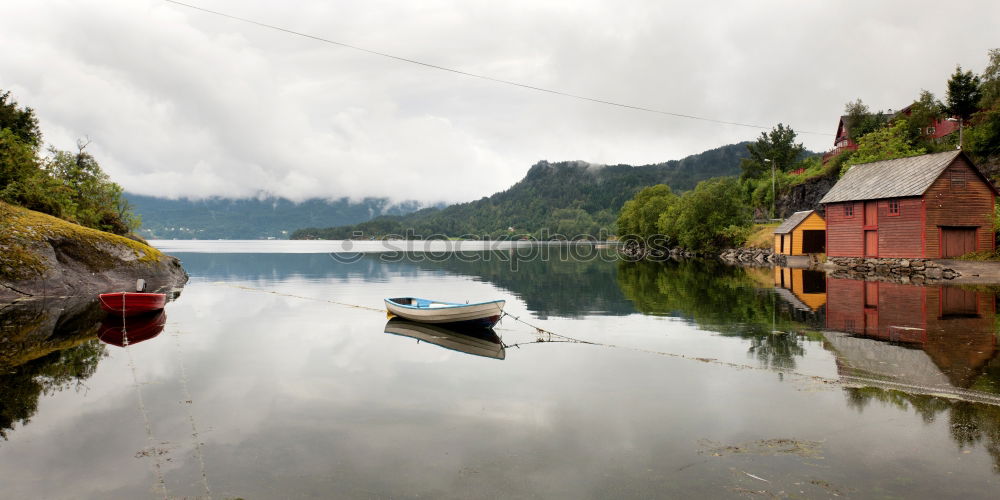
point(250, 288)
point(160, 484)
point(543, 331)
point(843, 380)
point(188, 402)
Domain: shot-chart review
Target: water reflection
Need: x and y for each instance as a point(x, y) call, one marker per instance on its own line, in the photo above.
point(308, 398)
point(551, 279)
point(47, 347)
point(469, 340)
point(969, 424)
point(131, 330)
point(923, 335)
point(940, 336)
point(804, 289)
point(733, 301)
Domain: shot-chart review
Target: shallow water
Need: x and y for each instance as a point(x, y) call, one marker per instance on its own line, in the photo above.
point(274, 377)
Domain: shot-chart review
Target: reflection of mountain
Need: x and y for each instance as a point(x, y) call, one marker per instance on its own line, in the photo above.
point(553, 280)
point(48, 346)
point(549, 282)
point(940, 335)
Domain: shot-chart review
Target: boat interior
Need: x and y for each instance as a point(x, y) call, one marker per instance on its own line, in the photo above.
point(415, 302)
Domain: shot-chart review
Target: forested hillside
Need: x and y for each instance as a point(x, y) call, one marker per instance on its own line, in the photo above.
point(568, 198)
point(226, 218)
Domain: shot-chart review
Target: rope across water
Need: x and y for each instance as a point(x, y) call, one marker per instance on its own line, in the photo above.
point(160, 484)
point(842, 381)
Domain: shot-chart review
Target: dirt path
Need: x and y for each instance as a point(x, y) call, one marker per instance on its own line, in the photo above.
point(973, 272)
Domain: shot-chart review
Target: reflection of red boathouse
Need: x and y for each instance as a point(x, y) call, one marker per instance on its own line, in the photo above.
point(953, 326)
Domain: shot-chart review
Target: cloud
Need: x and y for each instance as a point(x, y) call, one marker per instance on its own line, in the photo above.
point(182, 103)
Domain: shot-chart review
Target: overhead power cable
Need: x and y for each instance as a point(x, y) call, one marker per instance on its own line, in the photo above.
point(474, 75)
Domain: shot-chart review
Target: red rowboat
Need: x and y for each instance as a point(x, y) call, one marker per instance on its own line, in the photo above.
point(132, 303)
point(115, 329)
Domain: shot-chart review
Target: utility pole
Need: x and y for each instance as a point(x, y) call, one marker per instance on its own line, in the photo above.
point(772, 185)
point(959, 120)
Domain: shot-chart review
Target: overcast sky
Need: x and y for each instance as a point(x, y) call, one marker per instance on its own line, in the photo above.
point(178, 102)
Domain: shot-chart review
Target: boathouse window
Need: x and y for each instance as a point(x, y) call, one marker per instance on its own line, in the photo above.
point(893, 207)
point(957, 180)
point(849, 210)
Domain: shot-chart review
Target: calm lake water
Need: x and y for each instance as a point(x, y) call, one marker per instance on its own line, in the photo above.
point(274, 377)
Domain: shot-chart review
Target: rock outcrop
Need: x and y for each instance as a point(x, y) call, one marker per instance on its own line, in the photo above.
point(804, 196)
point(43, 256)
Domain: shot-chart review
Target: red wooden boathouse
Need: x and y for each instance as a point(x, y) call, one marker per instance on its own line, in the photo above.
point(930, 206)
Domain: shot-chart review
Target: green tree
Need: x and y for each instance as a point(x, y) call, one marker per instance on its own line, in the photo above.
point(989, 84)
point(19, 140)
point(95, 201)
point(886, 143)
point(777, 147)
point(640, 215)
point(17, 160)
point(982, 139)
point(860, 120)
point(963, 93)
point(573, 223)
point(709, 218)
point(923, 113)
point(21, 121)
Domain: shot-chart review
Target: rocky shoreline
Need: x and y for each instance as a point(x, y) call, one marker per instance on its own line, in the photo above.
point(635, 251)
point(906, 271)
point(751, 257)
point(43, 257)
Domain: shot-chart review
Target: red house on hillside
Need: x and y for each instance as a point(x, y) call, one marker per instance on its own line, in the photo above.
point(936, 130)
point(930, 206)
point(842, 142)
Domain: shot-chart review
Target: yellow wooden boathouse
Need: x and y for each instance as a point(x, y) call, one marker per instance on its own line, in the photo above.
point(801, 234)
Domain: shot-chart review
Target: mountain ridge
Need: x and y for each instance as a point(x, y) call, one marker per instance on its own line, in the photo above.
point(250, 218)
point(569, 198)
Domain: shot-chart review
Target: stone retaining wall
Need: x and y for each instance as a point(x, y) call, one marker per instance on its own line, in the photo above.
point(916, 271)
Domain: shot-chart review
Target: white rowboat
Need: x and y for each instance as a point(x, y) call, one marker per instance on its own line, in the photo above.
point(431, 311)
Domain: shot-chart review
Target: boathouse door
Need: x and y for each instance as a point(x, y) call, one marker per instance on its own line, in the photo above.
point(957, 241)
point(871, 243)
point(871, 229)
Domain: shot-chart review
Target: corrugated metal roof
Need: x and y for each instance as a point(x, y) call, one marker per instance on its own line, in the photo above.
point(792, 221)
point(890, 178)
